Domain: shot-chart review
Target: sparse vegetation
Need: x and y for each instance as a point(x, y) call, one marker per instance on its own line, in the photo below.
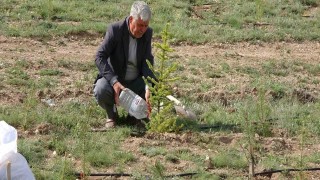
point(249, 70)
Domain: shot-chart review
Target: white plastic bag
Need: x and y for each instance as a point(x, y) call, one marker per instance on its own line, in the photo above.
point(8, 154)
point(8, 138)
point(19, 167)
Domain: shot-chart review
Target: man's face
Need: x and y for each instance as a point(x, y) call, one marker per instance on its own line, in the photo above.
point(137, 27)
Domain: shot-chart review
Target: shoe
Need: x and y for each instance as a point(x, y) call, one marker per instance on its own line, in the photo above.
point(110, 123)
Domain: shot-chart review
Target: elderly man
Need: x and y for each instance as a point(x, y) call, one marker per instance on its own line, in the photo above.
point(122, 60)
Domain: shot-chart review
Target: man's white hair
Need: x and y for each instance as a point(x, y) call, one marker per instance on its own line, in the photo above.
point(140, 9)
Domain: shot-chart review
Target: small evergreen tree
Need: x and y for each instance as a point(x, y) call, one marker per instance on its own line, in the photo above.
point(163, 119)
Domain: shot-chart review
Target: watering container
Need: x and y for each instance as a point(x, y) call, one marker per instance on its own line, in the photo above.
point(133, 104)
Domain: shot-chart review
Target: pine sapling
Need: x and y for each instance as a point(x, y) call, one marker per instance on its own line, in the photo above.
point(163, 118)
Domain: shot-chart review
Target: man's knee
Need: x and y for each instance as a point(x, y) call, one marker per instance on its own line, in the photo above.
point(103, 92)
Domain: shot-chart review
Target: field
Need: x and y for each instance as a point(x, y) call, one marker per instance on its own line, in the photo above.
point(250, 70)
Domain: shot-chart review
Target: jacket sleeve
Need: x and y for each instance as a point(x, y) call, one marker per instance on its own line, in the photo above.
point(103, 53)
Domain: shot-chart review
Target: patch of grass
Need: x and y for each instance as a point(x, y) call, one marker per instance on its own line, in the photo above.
point(46, 82)
point(19, 82)
point(85, 66)
point(225, 67)
point(278, 89)
point(106, 152)
point(248, 70)
point(99, 153)
point(172, 158)
point(65, 63)
point(158, 170)
point(78, 66)
point(290, 113)
point(22, 63)
point(187, 155)
point(254, 114)
point(215, 114)
point(16, 72)
point(271, 67)
point(194, 21)
point(33, 151)
point(313, 158)
point(153, 151)
point(63, 169)
point(229, 159)
point(58, 144)
point(50, 72)
point(26, 115)
point(316, 81)
point(100, 159)
point(213, 74)
point(42, 63)
point(313, 69)
point(274, 161)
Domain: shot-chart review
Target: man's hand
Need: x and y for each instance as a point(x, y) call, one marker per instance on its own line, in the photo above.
point(147, 96)
point(117, 87)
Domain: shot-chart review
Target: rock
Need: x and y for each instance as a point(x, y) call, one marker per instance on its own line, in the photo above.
point(208, 163)
point(181, 111)
point(43, 128)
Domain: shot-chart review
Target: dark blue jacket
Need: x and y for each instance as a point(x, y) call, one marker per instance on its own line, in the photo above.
point(116, 46)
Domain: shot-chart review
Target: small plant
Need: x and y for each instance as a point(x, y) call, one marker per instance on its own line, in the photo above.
point(249, 131)
point(163, 119)
point(158, 170)
point(65, 171)
point(153, 151)
point(259, 9)
point(230, 159)
point(81, 134)
point(17, 72)
point(254, 122)
point(304, 131)
point(263, 111)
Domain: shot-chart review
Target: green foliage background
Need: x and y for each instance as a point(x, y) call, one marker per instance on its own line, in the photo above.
point(196, 21)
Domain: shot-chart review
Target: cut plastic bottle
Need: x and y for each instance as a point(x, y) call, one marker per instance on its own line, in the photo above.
point(133, 104)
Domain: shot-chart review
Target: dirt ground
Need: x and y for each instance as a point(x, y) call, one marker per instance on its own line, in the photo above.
point(82, 50)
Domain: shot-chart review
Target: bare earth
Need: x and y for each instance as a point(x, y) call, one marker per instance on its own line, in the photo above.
point(78, 49)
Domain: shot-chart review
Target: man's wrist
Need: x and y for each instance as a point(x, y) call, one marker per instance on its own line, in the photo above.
point(113, 80)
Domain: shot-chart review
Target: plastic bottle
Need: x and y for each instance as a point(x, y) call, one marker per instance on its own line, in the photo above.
point(8, 139)
point(133, 104)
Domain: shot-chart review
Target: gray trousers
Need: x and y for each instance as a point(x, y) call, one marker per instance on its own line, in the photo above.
point(104, 94)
